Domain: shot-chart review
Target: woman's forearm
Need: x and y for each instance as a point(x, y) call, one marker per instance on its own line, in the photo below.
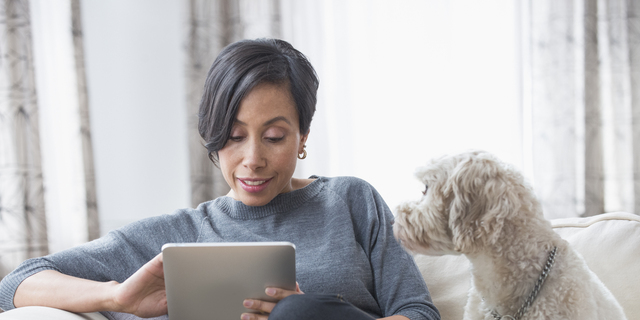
point(142, 294)
point(53, 289)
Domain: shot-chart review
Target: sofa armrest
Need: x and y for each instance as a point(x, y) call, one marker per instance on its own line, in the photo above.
point(46, 313)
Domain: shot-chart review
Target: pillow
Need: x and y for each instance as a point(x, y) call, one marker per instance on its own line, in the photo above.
point(609, 243)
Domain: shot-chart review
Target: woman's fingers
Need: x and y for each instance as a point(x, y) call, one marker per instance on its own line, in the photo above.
point(253, 316)
point(280, 294)
point(265, 306)
point(259, 305)
point(143, 293)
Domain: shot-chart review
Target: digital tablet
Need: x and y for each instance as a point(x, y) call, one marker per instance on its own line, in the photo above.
point(211, 280)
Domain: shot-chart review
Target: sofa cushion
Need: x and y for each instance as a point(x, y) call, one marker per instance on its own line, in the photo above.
point(609, 243)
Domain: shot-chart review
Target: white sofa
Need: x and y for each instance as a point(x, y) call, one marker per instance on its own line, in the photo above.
point(610, 243)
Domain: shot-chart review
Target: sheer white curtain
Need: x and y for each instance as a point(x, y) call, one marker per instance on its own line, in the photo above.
point(582, 93)
point(47, 189)
point(66, 146)
point(23, 232)
point(404, 81)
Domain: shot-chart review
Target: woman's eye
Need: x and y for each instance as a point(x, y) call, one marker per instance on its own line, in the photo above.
point(236, 138)
point(426, 187)
point(274, 139)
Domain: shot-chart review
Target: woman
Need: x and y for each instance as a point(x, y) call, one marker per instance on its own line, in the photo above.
point(255, 115)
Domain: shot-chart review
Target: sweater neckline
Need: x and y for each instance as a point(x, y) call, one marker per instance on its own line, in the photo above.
point(282, 203)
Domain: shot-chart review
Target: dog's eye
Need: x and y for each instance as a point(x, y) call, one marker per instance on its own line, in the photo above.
point(426, 187)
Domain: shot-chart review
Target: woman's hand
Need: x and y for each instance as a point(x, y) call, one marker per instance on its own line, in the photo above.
point(265, 307)
point(143, 294)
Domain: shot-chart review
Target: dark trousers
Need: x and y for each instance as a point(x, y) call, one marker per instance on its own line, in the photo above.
point(316, 307)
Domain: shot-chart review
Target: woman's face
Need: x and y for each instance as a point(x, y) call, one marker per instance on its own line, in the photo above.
point(260, 157)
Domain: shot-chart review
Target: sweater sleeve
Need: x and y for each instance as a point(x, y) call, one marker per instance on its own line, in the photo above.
point(399, 286)
point(116, 256)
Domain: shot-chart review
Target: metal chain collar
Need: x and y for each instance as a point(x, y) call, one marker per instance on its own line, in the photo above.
point(534, 293)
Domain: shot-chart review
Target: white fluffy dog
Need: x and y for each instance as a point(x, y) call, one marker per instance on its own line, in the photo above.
point(521, 269)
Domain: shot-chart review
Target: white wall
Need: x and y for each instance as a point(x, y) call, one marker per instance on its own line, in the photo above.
point(134, 60)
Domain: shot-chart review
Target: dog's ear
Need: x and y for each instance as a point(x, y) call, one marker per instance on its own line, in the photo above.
point(482, 197)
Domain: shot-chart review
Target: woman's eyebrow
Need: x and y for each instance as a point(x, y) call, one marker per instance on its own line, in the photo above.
point(276, 119)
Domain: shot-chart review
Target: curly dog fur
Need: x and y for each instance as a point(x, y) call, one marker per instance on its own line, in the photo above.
point(480, 207)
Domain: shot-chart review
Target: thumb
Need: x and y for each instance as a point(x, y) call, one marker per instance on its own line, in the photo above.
point(156, 266)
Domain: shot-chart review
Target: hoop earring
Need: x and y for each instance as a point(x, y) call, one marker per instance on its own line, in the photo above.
point(304, 154)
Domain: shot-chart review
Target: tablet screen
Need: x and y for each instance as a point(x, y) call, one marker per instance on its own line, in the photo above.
point(211, 280)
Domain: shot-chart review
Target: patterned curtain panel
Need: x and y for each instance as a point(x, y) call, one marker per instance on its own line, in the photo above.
point(583, 60)
point(67, 155)
point(93, 220)
point(23, 222)
point(213, 24)
point(23, 232)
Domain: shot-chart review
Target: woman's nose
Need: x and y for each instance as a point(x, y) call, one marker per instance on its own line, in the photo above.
point(254, 157)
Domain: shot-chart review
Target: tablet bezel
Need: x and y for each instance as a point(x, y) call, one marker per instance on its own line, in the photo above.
point(211, 280)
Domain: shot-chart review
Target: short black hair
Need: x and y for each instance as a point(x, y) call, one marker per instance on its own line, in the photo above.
point(240, 67)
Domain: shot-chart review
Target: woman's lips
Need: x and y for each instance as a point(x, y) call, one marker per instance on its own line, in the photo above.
point(254, 185)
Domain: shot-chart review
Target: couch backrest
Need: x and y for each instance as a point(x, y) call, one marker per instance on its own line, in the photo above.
point(609, 243)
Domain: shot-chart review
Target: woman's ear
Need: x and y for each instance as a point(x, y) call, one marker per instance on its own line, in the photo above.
point(303, 141)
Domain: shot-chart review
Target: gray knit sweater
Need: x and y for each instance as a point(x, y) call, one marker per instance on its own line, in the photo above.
point(341, 228)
